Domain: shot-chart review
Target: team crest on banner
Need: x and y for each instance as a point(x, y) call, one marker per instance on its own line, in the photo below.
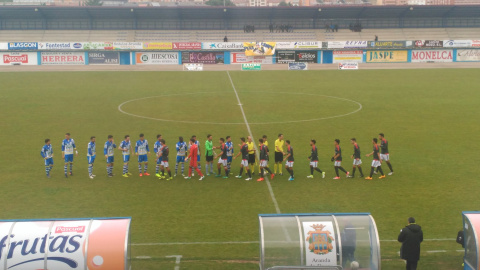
point(259, 48)
point(320, 244)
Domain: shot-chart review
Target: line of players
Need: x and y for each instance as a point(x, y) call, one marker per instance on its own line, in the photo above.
point(192, 151)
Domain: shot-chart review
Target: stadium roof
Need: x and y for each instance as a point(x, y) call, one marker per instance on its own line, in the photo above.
point(202, 12)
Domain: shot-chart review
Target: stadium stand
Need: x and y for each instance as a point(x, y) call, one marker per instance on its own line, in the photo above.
point(237, 35)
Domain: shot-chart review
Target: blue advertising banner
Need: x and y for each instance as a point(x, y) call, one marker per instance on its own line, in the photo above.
point(297, 66)
point(23, 45)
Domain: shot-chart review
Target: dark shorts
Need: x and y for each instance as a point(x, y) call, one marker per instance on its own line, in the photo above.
point(251, 158)
point(278, 157)
point(209, 158)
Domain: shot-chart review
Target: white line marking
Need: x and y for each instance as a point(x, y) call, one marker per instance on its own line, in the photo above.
point(254, 242)
point(275, 203)
point(143, 257)
point(436, 251)
point(177, 260)
point(460, 250)
point(360, 107)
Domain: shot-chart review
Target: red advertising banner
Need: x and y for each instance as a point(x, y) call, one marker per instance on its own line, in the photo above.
point(187, 46)
point(18, 58)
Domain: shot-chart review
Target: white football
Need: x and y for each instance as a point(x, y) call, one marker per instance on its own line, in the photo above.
point(354, 265)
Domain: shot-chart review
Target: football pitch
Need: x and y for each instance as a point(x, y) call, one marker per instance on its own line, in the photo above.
point(430, 118)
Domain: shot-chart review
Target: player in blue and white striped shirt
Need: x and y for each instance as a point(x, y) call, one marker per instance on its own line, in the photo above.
point(229, 145)
point(181, 152)
point(108, 152)
point(126, 148)
point(68, 146)
point(142, 150)
point(91, 154)
point(156, 147)
point(47, 154)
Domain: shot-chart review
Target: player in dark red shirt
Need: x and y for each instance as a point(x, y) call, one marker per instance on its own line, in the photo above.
point(222, 160)
point(377, 162)
point(357, 160)
point(244, 164)
point(338, 160)
point(264, 160)
point(193, 160)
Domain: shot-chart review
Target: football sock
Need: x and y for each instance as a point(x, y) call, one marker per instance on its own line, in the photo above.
point(226, 172)
point(360, 170)
point(261, 172)
point(280, 168)
point(176, 168)
point(211, 167)
point(71, 167)
point(65, 168)
point(311, 170)
point(336, 171)
point(47, 171)
point(199, 166)
point(163, 172)
point(390, 166)
point(253, 167)
point(291, 172)
point(108, 169)
point(249, 173)
point(183, 168)
point(206, 168)
point(145, 167)
point(379, 168)
point(353, 172)
point(275, 167)
point(342, 169)
point(124, 169)
point(169, 173)
point(228, 166)
point(268, 170)
point(90, 169)
point(371, 172)
point(157, 168)
point(241, 171)
point(318, 170)
point(140, 167)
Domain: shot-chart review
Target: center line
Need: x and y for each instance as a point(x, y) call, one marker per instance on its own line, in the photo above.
point(254, 144)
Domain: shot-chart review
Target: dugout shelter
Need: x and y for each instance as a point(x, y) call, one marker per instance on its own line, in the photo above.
point(319, 241)
point(471, 232)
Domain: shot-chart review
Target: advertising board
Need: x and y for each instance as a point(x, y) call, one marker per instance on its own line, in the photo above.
point(306, 56)
point(299, 45)
point(222, 45)
point(347, 56)
point(3, 46)
point(387, 56)
point(347, 44)
point(19, 58)
point(157, 45)
point(22, 46)
point(389, 44)
point(97, 46)
point(259, 48)
point(251, 67)
point(63, 58)
point(60, 46)
point(419, 56)
point(297, 66)
point(193, 67)
point(468, 55)
point(203, 57)
point(348, 65)
point(241, 58)
point(475, 43)
point(429, 43)
point(82, 244)
point(285, 57)
point(156, 58)
point(187, 46)
point(103, 58)
point(127, 45)
point(457, 43)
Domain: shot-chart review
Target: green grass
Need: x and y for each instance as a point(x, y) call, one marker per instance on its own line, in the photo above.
point(430, 118)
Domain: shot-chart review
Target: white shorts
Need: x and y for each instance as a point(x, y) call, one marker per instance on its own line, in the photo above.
point(338, 163)
point(376, 163)
point(314, 164)
point(222, 161)
point(164, 164)
point(385, 157)
point(357, 162)
point(263, 163)
point(289, 164)
point(244, 162)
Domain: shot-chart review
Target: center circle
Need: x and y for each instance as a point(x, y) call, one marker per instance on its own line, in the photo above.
point(294, 108)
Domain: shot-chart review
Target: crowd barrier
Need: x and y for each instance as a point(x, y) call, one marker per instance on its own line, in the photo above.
point(179, 53)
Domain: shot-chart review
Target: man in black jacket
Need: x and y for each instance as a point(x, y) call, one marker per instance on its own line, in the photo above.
point(411, 236)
